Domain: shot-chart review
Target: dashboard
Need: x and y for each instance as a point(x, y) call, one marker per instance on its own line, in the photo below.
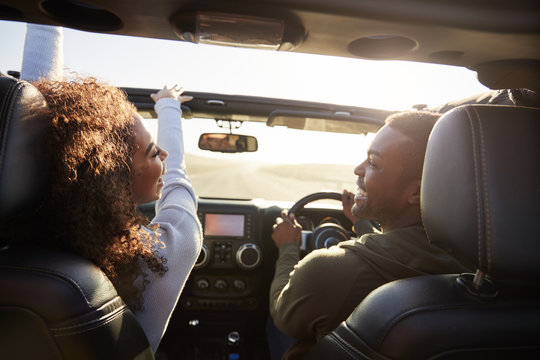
point(225, 274)
point(223, 308)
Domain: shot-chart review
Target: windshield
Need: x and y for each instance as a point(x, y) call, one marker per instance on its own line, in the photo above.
point(289, 163)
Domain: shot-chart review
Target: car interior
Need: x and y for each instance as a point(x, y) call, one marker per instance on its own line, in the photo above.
point(479, 188)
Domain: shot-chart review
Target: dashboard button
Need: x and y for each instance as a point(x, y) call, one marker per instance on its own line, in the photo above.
point(202, 284)
point(239, 285)
point(221, 284)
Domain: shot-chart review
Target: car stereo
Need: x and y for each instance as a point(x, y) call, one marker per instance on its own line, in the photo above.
point(228, 241)
point(226, 225)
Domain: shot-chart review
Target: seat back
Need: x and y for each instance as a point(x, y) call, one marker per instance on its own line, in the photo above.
point(480, 199)
point(53, 304)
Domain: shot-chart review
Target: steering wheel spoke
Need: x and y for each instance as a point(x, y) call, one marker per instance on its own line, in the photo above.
point(324, 235)
point(306, 235)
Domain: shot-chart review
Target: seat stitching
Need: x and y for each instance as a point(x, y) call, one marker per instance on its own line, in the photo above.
point(114, 313)
point(98, 324)
point(344, 345)
point(487, 216)
point(368, 352)
point(478, 227)
point(12, 89)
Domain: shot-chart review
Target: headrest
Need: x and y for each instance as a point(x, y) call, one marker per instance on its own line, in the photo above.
point(22, 130)
point(481, 191)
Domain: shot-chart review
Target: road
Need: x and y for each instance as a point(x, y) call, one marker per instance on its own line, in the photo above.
point(259, 181)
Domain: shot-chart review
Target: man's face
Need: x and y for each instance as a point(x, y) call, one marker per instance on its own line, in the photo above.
point(382, 194)
point(148, 166)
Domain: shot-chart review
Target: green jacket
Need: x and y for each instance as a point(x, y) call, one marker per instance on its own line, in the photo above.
point(311, 297)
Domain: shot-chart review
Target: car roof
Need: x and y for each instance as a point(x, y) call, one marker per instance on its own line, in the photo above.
point(498, 39)
point(346, 119)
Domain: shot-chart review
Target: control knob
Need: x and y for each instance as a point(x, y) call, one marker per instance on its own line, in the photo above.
point(203, 259)
point(248, 256)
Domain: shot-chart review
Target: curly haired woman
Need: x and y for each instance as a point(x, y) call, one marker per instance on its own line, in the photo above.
point(104, 164)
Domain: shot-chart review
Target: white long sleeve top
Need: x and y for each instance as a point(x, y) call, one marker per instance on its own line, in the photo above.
point(179, 227)
point(176, 211)
point(43, 55)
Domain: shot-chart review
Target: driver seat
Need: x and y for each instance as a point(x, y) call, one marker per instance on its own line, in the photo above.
point(53, 304)
point(480, 199)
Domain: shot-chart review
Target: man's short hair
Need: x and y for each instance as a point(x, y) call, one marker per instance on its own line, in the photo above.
point(417, 126)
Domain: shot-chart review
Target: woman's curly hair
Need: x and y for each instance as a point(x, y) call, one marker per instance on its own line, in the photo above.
point(90, 208)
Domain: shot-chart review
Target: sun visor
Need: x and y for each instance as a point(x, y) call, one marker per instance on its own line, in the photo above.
point(340, 122)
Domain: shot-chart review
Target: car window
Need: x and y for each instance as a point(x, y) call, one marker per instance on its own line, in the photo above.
point(288, 164)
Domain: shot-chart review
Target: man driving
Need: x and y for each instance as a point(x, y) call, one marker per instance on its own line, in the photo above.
point(310, 297)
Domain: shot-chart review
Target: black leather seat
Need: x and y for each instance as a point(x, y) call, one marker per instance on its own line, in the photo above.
point(481, 199)
point(53, 304)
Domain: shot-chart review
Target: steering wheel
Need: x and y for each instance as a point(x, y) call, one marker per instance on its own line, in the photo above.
point(325, 235)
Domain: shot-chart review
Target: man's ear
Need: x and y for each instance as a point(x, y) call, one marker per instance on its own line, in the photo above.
point(414, 192)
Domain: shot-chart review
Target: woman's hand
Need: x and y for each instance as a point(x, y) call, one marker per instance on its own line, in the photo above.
point(174, 93)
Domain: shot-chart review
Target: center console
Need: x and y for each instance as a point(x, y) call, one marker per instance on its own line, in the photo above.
point(223, 307)
point(223, 276)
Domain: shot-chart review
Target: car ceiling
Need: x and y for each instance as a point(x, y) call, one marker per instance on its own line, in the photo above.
point(498, 39)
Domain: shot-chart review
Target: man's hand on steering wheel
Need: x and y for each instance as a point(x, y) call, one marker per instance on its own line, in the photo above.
point(286, 230)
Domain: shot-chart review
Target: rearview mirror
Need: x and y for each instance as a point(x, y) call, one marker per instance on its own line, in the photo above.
point(228, 143)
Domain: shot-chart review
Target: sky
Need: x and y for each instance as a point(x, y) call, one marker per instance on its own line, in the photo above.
point(151, 63)
point(141, 62)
